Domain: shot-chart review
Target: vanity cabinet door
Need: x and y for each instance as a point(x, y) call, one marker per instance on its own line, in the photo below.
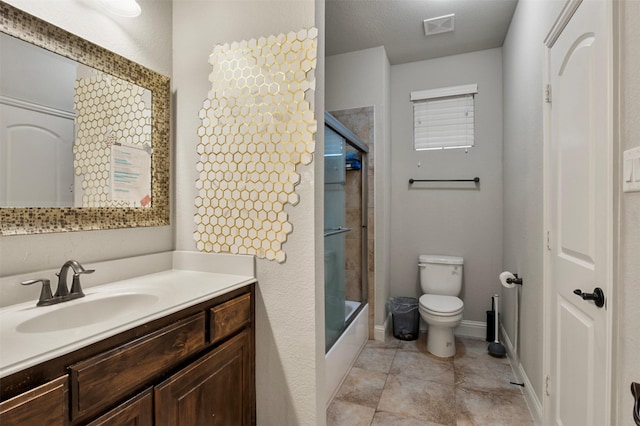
point(215, 390)
point(138, 411)
point(44, 405)
point(102, 380)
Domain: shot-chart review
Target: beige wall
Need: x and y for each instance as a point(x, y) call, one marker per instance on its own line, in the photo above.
point(146, 40)
point(522, 53)
point(463, 222)
point(523, 198)
point(627, 286)
point(361, 79)
point(289, 307)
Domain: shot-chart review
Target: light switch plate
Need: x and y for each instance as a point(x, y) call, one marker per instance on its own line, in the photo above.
point(631, 170)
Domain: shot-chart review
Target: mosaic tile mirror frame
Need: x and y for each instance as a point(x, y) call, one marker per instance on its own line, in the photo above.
point(36, 220)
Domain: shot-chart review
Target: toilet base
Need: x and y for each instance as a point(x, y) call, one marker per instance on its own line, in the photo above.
point(441, 341)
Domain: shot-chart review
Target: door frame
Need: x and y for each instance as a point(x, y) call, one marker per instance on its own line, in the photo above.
point(561, 22)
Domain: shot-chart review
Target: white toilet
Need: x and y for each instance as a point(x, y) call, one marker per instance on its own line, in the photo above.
point(441, 281)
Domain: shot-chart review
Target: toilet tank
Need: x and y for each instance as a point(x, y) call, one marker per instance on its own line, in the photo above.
point(440, 274)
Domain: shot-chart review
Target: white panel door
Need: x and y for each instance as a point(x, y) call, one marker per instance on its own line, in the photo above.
point(36, 158)
point(579, 213)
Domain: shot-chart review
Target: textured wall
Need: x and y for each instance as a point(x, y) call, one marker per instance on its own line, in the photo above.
point(289, 305)
point(146, 40)
point(448, 219)
point(523, 209)
point(628, 284)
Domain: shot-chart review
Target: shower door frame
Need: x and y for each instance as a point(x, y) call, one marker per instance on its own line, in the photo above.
point(353, 140)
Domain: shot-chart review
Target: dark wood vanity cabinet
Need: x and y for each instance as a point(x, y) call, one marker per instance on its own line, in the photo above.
point(194, 367)
point(43, 405)
point(215, 390)
point(138, 411)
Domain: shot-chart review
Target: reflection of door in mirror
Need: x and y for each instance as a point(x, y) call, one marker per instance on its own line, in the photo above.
point(36, 127)
point(35, 158)
point(70, 135)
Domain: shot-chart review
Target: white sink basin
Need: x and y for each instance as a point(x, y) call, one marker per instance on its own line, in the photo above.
point(85, 311)
point(30, 335)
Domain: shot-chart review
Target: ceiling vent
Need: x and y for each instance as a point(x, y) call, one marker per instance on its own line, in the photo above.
point(441, 24)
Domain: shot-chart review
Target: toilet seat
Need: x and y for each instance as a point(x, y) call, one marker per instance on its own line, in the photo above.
point(437, 304)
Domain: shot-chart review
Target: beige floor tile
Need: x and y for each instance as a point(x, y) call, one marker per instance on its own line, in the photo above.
point(468, 349)
point(491, 409)
point(483, 395)
point(392, 343)
point(376, 358)
point(341, 413)
point(418, 345)
point(427, 401)
point(362, 387)
point(485, 374)
point(422, 367)
point(384, 418)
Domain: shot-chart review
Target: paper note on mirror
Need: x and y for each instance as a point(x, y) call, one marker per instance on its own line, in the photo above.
point(130, 175)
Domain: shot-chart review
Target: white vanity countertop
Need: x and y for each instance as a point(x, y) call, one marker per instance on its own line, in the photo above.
point(162, 293)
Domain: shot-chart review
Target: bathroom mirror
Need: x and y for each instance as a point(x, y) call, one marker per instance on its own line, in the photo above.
point(100, 158)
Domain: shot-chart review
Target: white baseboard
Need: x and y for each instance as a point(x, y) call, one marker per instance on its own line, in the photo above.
point(476, 329)
point(534, 404)
point(380, 332)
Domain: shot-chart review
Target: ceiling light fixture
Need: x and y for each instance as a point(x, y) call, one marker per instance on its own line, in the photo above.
point(124, 8)
point(441, 24)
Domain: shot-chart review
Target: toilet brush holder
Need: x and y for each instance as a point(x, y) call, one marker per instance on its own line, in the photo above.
point(496, 348)
point(490, 326)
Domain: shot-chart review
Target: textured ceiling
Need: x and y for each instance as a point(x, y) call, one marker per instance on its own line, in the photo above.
point(397, 25)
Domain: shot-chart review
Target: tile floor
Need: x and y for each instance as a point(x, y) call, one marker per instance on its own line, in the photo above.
point(400, 383)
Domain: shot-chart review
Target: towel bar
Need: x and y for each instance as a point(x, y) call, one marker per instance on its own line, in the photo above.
point(475, 179)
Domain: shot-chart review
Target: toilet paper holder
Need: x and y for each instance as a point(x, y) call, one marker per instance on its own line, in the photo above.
point(515, 280)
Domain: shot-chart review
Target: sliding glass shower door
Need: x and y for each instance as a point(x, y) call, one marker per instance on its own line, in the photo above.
point(334, 233)
point(344, 228)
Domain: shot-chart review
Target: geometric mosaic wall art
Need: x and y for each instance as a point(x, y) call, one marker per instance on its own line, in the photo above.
point(257, 126)
point(110, 111)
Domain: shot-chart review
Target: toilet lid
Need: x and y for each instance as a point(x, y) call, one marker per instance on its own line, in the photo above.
point(442, 304)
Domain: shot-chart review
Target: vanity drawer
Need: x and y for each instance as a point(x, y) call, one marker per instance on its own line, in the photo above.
point(44, 405)
point(229, 317)
point(103, 379)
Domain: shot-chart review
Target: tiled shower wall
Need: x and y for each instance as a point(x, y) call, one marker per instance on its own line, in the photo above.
point(361, 122)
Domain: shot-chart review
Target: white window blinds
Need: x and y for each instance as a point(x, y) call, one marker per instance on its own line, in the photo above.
point(444, 118)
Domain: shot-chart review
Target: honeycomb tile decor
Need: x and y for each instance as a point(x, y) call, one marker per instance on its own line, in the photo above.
point(109, 110)
point(258, 125)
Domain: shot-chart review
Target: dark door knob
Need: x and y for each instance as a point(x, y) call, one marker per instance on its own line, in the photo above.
point(597, 296)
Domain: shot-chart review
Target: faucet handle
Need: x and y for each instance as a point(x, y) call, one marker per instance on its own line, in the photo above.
point(45, 294)
point(76, 289)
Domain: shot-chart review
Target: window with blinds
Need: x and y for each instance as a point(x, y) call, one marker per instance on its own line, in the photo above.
point(444, 118)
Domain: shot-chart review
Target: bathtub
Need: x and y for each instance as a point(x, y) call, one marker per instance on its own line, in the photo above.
point(343, 354)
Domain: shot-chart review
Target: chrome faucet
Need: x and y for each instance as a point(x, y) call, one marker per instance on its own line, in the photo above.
point(62, 293)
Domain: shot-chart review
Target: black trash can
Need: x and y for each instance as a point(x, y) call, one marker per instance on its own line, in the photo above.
point(405, 316)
